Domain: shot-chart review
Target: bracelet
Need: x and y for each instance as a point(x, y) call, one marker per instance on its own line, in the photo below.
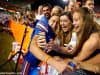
point(72, 64)
point(47, 58)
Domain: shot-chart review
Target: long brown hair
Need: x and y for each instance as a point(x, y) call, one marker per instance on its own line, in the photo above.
point(65, 37)
point(88, 27)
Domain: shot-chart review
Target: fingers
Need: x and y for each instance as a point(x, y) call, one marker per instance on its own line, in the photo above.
point(69, 48)
point(50, 45)
point(41, 33)
point(72, 65)
point(69, 68)
point(41, 41)
point(65, 45)
point(41, 44)
point(40, 37)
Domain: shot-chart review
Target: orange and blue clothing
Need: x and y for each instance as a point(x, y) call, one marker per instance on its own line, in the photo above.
point(31, 62)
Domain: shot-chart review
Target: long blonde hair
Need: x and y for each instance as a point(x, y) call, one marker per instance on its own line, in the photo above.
point(88, 27)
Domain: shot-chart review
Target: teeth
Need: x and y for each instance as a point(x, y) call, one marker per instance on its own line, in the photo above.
point(76, 26)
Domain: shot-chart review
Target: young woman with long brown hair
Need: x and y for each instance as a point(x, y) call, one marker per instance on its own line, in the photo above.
point(88, 42)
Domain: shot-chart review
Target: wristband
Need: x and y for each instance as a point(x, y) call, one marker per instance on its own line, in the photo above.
point(71, 64)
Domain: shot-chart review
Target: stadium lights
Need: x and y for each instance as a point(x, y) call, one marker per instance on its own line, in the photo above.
point(65, 1)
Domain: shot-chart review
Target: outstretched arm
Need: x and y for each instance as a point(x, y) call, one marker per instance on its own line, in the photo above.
point(92, 64)
point(89, 47)
point(41, 55)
